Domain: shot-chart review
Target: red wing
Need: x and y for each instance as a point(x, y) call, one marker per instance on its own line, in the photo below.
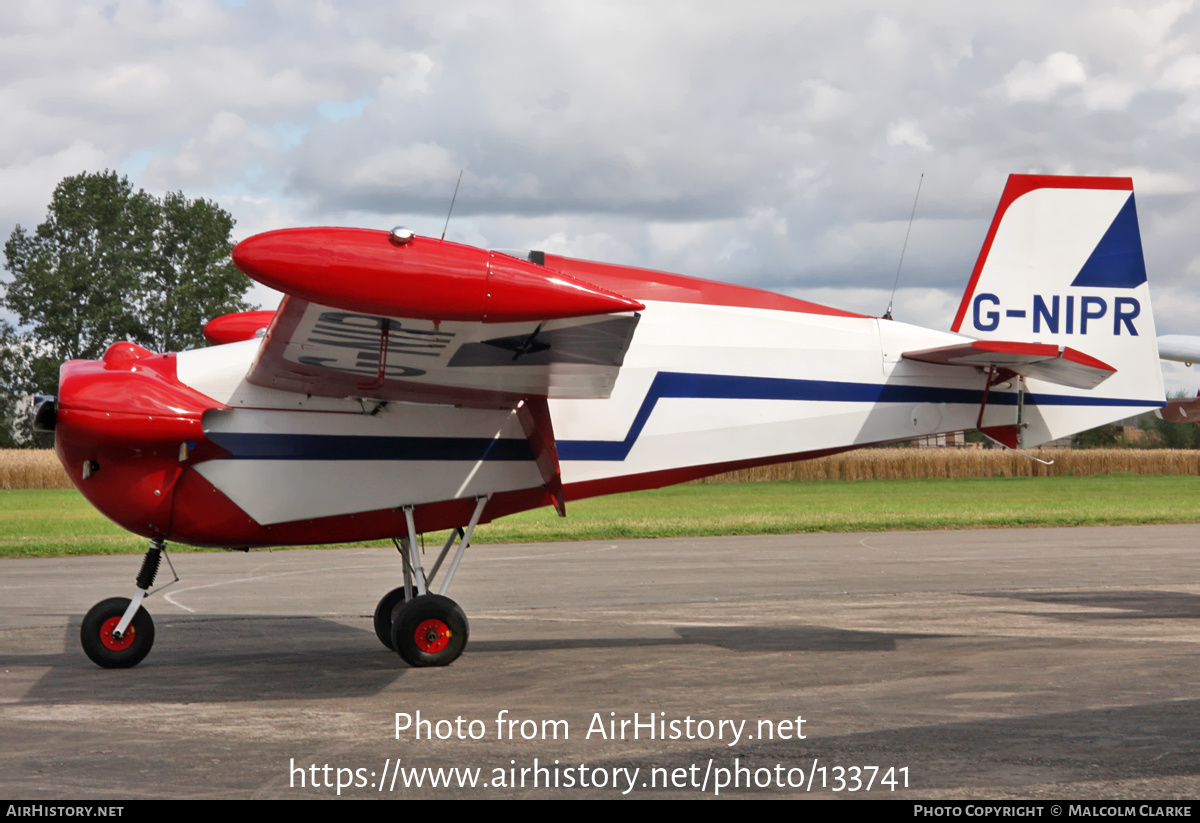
point(397, 317)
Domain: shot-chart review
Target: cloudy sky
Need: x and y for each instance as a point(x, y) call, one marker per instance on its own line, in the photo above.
point(777, 144)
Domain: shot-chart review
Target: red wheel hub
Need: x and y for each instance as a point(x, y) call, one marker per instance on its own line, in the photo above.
point(432, 636)
point(117, 644)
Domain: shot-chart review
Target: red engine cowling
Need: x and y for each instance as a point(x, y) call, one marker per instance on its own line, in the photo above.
point(125, 430)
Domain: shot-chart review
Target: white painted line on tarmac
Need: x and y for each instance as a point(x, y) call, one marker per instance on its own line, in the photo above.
point(170, 598)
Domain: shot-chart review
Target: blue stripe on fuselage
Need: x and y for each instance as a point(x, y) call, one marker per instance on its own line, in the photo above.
point(733, 387)
point(266, 446)
point(255, 446)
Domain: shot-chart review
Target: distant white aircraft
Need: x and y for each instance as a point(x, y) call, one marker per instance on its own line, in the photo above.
point(1182, 347)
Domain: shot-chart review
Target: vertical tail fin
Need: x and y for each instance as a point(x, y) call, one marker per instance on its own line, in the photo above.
point(1063, 264)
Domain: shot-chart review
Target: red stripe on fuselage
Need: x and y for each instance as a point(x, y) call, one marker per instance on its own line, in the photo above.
point(204, 516)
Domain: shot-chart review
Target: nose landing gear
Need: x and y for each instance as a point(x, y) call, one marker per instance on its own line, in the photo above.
point(105, 646)
point(117, 633)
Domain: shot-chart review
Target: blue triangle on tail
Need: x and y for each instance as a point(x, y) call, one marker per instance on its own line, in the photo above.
point(1116, 262)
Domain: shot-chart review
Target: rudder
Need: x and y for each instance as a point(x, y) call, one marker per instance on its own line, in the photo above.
point(1062, 264)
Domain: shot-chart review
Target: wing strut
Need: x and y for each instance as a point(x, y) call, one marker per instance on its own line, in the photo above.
point(465, 541)
point(416, 582)
point(414, 556)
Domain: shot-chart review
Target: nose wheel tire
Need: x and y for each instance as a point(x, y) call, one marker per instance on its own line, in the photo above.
point(430, 630)
point(386, 613)
point(106, 649)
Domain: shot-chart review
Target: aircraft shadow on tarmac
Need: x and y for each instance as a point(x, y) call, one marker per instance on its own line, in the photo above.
point(1132, 605)
point(1141, 742)
point(264, 657)
point(734, 638)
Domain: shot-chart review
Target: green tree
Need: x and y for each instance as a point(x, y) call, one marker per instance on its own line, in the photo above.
point(1101, 437)
point(75, 275)
point(193, 279)
point(108, 264)
point(113, 264)
point(17, 382)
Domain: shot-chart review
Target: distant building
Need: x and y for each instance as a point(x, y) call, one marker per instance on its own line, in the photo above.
point(1132, 434)
point(955, 440)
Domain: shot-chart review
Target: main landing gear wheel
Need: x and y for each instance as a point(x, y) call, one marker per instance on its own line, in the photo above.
point(113, 652)
point(430, 630)
point(386, 613)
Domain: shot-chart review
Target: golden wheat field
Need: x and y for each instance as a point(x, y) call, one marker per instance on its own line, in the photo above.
point(40, 469)
point(31, 469)
point(905, 464)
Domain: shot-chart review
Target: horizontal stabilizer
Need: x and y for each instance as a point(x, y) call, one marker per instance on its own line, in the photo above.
point(1042, 361)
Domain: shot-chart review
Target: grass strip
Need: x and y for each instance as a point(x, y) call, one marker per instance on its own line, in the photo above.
point(44, 523)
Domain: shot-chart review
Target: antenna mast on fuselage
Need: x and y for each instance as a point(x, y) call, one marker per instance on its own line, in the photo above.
point(887, 315)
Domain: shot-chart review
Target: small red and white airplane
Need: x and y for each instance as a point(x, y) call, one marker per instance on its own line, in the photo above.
point(407, 385)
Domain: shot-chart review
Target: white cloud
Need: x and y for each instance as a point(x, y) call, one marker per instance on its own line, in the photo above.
point(928, 308)
point(1182, 75)
point(28, 186)
point(1039, 82)
point(776, 144)
point(408, 165)
point(827, 102)
point(1108, 93)
point(1150, 182)
point(907, 133)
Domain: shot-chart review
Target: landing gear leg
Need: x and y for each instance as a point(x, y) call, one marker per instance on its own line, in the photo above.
point(426, 629)
point(389, 607)
point(117, 633)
